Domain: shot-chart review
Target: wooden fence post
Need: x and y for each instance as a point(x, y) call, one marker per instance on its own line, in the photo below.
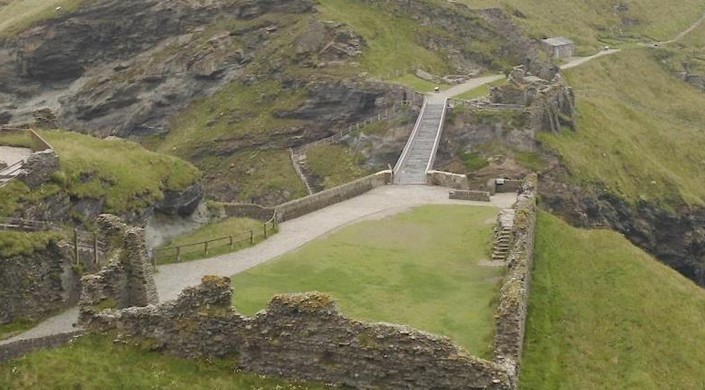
point(178, 254)
point(231, 243)
point(205, 248)
point(265, 231)
point(252, 237)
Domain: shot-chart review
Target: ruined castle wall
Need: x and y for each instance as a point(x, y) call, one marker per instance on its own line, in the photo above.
point(35, 285)
point(514, 294)
point(308, 204)
point(247, 210)
point(302, 336)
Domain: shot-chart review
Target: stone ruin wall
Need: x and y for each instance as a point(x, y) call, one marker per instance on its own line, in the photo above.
point(127, 280)
point(510, 318)
point(305, 337)
point(33, 286)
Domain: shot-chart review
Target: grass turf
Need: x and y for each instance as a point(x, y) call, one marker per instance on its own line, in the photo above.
point(238, 228)
point(123, 173)
point(639, 130)
point(334, 164)
point(95, 362)
point(418, 268)
point(18, 15)
point(603, 314)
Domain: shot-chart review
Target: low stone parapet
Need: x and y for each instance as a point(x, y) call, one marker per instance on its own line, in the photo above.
point(447, 179)
point(478, 196)
point(308, 204)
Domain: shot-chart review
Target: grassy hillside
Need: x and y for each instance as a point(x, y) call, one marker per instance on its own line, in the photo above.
point(605, 315)
point(122, 173)
point(95, 362)
point(17, 15)
point(639, 130)
point(595, 22)
point(418, 268)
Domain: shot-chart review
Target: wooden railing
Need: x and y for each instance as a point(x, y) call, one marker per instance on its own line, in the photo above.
point(23, 225)
point(215, 246)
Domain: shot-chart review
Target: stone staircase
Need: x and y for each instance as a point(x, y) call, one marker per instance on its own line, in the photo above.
point(503, 235)
point(420, 150)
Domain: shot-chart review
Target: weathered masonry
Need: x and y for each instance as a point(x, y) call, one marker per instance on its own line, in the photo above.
point(304, 336)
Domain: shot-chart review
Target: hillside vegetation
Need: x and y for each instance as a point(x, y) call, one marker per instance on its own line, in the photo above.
point(18, 15)
point(419, 268)
point(121, 173)
point(603, 314)
point(596, 22)
point(639, 130)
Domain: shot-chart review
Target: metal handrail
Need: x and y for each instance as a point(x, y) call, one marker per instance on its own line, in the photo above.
point(410, 141)
point(438, 137)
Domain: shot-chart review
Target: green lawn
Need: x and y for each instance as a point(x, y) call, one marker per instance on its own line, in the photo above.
point(418, 268)
point(95, 362)
point(639, 130)
point(603, 314)
point(238, 228)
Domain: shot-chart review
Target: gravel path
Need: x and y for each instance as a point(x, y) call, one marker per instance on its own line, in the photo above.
point(10, 154)
point(378, 203)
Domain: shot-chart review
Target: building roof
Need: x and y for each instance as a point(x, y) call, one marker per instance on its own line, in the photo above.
point(557, 41)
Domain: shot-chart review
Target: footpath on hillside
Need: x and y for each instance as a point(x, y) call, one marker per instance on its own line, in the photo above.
point(171, 279)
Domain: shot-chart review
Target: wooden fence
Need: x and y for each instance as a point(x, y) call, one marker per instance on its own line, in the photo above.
point(23, 225)
point(215, 246)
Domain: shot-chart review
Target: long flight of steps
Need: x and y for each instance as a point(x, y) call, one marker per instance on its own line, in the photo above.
point(421, 148)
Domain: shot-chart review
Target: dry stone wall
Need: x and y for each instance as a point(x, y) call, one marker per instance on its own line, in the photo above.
point(302, 336)
point(22, 347)
point(447, 179)
point(308, 204)
point(510, 318)
point(305, 337)
point(35, 285)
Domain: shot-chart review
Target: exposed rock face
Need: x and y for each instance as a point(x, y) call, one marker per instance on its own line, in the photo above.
point(123, 67)
point(181, 202)
point(301, 336)
point(33, 286)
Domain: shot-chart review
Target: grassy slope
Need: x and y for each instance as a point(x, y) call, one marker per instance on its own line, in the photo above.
point(639, 129)
point(417, 268)
point(605, 315)
point(95, 362)
point(392, 40)
point(18, 15)
point(587, 22)
point(23, 243)
point(122, 172)
point(335, 164)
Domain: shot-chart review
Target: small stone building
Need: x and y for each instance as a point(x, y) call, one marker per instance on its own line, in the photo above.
point(559, 47)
